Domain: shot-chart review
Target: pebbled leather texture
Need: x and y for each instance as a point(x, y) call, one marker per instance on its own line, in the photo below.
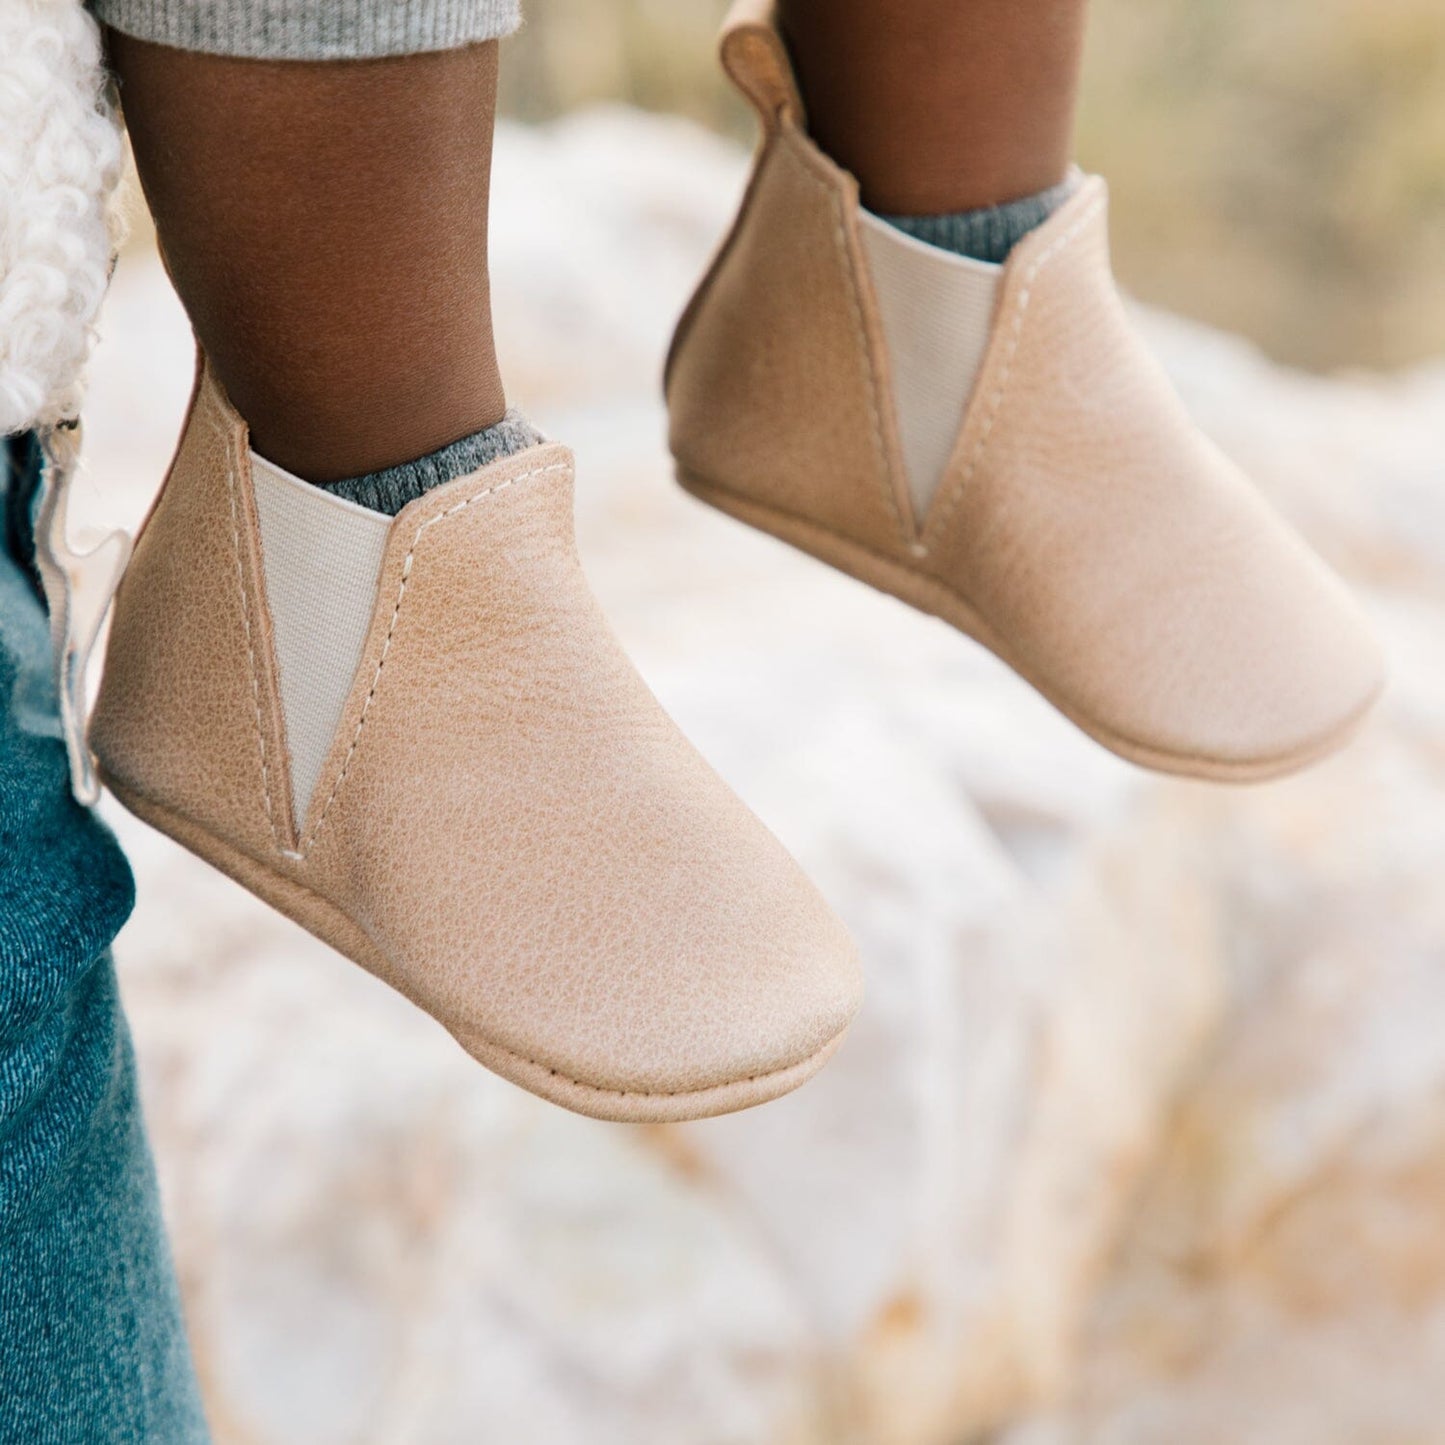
point(798, 412)
point(188, 701)
point(508, 827)
point(1085, 529)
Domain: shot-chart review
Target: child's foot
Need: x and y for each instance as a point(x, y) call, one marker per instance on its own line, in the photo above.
point(1058, 505)
point(417, 737)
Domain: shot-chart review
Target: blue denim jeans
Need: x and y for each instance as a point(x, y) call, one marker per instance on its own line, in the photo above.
point(92, 1345)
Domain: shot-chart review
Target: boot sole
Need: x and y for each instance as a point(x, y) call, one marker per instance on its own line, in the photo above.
point(934, 598)
point(325, 921)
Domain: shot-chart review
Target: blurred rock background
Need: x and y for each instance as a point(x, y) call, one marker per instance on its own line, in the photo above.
point(1141, 1137)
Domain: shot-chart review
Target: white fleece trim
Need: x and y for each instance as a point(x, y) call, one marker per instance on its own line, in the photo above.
point(60, 156)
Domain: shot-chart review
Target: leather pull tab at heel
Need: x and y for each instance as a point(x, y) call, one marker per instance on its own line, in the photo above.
point(756, 59)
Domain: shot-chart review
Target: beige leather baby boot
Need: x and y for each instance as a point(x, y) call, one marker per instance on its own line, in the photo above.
point(1081, 527)
point(464, 786)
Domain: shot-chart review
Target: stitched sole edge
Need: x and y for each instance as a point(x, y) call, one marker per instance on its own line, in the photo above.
point(325, 921)
point(934, 598)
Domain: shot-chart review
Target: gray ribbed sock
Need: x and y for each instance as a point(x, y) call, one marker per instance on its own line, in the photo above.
point(991, 233)
point(389, 491)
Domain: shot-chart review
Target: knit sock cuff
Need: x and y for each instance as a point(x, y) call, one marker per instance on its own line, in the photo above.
point(991, 233)
point(390, 490)
point(311, 29)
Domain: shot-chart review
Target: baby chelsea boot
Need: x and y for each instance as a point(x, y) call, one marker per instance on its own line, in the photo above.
point(422, 742)
point(1065, 512)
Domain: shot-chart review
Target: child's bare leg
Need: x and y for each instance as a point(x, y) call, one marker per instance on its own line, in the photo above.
point(325, 223)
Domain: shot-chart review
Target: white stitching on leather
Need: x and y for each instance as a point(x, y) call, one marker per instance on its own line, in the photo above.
point(933, 523)
point(704, 1092)
point(395, 616)
point(223, 436)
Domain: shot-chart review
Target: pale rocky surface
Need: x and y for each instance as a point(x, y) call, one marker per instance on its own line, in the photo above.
point(1140, 1139)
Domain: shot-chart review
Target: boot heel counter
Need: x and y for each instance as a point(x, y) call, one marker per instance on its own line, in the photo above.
point(187, 715)
point(703, 334)
point(777, 384)
point(754, 58)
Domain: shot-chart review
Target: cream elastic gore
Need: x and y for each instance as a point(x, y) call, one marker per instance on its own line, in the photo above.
point(322, 557)
point(936, 310)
